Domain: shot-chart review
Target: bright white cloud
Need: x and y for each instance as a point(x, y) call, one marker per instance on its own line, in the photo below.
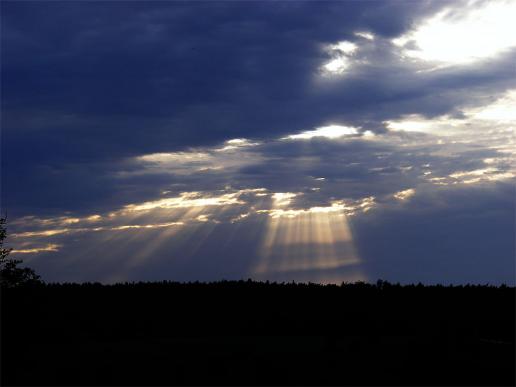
point(331, 131)
point(46, 233)
point(139, 226)
point(484, 175)
point(49, 247)
point(232, 155)
point(348, 208)
point(341, 54)
point(187, 200)
point(463, 34)
point(417, 123)
point(337, 65)
point(281, 199)
point(368, 134)
point(503, 110)
point(236, 143)
point(405, 194)
point(365, 35)
point(480, 175)
point(175, 157)
point(344, 47)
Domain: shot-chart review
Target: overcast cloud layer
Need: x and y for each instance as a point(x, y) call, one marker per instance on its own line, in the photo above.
point(327, 142)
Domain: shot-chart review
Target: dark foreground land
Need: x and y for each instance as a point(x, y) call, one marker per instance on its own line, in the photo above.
point(247, 333)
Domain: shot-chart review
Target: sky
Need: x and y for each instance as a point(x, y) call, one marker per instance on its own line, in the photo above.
point(274, 140)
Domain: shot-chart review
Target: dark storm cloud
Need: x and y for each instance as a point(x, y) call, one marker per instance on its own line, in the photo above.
point(86, 82)
point(94, 82)
point(158, 79)
point(390, 88)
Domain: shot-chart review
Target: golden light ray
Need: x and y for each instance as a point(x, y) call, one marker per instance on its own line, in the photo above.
point(317, 240)
point(176, 211)
point(152, 240)
point(151, 245)
point(237, 221)
point(300, 242)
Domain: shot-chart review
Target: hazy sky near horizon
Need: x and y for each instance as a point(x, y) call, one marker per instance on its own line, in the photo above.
point(282, 140)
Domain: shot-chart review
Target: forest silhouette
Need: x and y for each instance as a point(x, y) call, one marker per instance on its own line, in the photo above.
point(10, 272)
point(252, 333)
point(257, 333)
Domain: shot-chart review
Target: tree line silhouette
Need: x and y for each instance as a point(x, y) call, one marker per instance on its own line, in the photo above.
point(10, 274)
point(256, 333)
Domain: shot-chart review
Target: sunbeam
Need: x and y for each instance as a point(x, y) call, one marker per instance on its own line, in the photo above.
point(317, 239)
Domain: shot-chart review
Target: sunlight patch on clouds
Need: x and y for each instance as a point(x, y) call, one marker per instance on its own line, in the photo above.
point(344, 47)
point(485, 175)
point(148, 226)
point(161, 213)
point(463, 34)
point(282, 199)
point(417, 123)
point(70, 220)
point(337, 65)
point(365, 35)
point(187, 200)
point(180, 163)
point(61, 221)
point(203, 218)
point(492, 124)
point(479, 175)
point(405, 194)
point(50, 247)
point(330, 131)
point(232, 155)
point(175, 157)
point(503, 110)
point(46, 233)
point(341, 58)
point(347, 208)
point(293, 213)
point(236, 143)
point(49, 233)
point(240, 217)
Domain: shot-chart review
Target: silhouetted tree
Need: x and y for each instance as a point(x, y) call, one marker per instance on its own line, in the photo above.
point(10, 274)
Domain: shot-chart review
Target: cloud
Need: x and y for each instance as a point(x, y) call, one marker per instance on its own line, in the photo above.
point(405, 194)
point(294, 198)
point(96, 97)
point(341, 53)
point(462, 35)
point(179, 141)
point(34, 250)
point(365, 35)
point(331, 131)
